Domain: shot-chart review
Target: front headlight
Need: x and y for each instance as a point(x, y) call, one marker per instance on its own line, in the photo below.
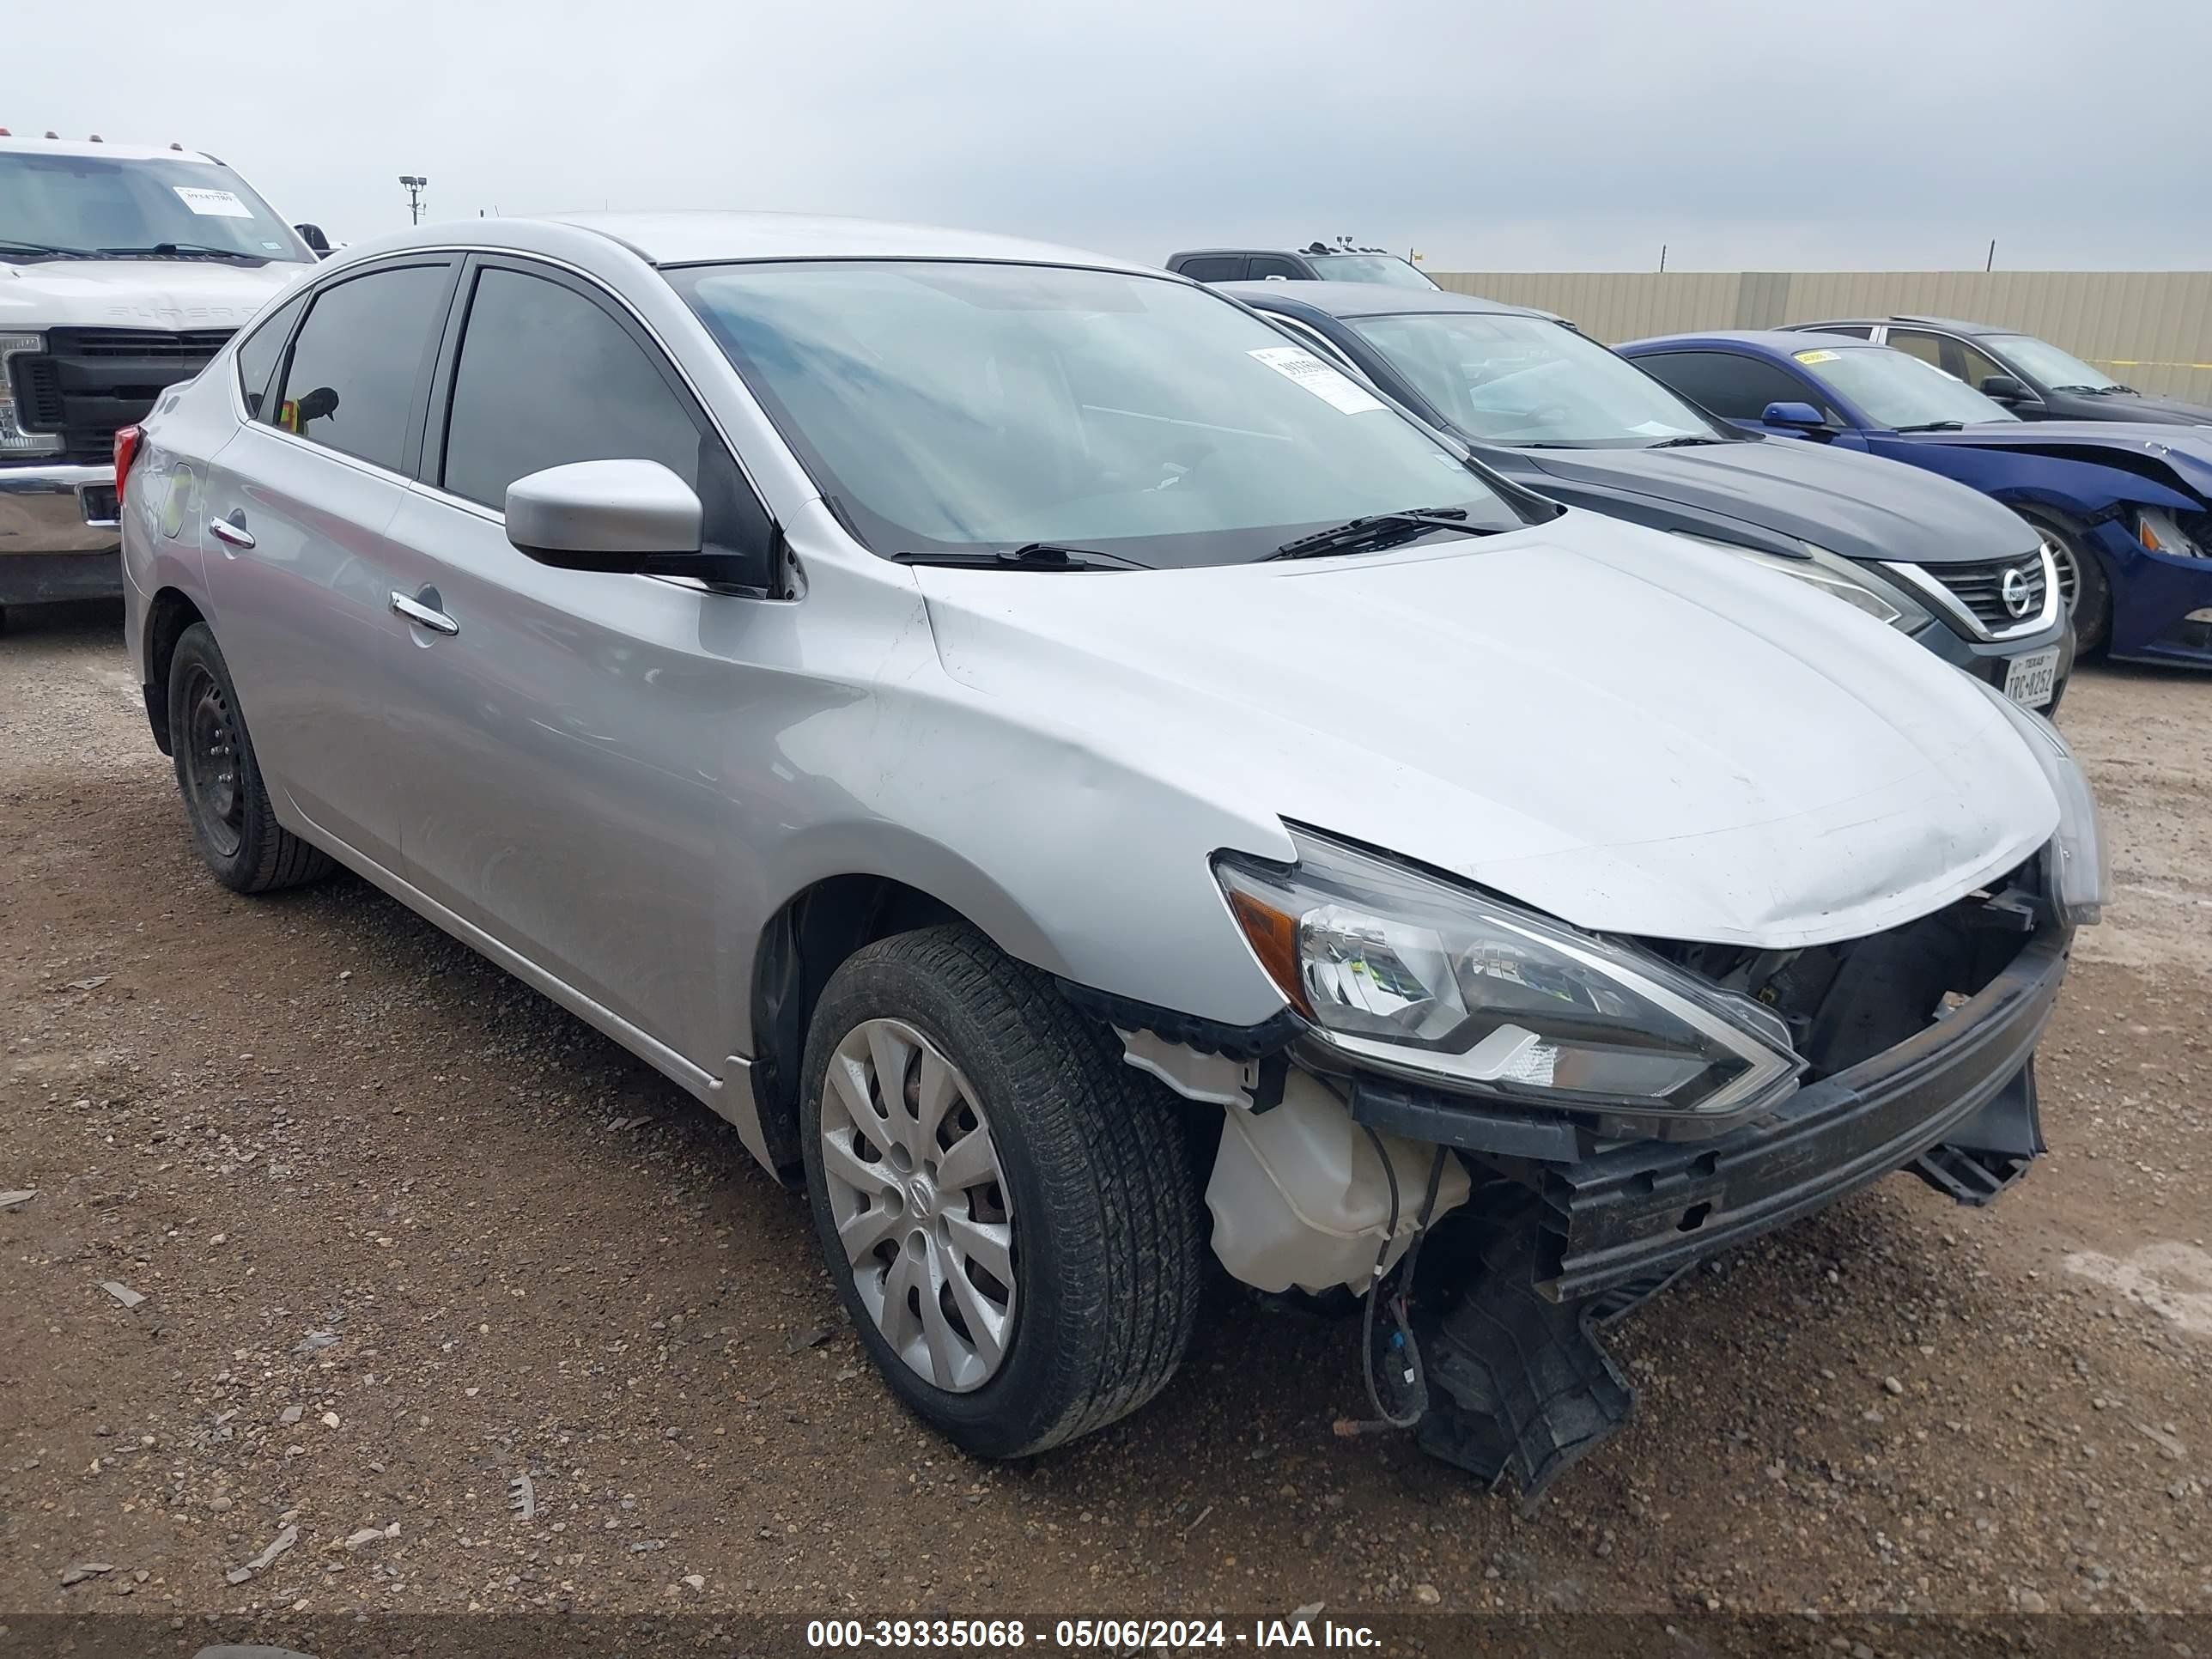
point(1833, 574)
point(14, 440)
point(2078, 860)
point(1413, 974)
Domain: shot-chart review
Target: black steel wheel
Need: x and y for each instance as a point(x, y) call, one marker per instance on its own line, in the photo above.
point(233, 820)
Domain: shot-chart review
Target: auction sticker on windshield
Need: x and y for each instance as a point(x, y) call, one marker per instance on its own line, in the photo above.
point(1814, 356)
point(1337, 391)
point(217, 203)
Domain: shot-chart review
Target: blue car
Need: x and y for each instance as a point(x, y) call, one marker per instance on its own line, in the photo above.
point(2127, 508)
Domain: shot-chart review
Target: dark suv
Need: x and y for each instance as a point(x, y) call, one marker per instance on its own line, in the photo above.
point(1314, 263)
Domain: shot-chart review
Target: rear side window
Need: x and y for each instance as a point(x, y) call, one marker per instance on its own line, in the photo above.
point(1213, 268)
point(258, 352)
point(351, 381)
point(547, 376)
point(1857, 331)
point(1734, 387)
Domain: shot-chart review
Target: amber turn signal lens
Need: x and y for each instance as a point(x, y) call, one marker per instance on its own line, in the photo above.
point(1274, 938)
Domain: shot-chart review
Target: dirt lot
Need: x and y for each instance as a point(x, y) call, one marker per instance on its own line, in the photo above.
point(405, 1230)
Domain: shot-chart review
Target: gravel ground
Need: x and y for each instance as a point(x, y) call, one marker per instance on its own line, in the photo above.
point(396, 1230)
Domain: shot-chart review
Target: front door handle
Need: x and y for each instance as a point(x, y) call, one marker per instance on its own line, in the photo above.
point(231, 531)
point(424, 615)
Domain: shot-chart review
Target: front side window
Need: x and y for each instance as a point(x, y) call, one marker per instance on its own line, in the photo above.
point(944, 405)
point(55, 205)
point(1917, 343)
point(350, 382)
point(1525, 381)
point(1387, 269)
point(1732, 386)
point(547, 377)
point(1904, 392)
point(1265, 266)
point(2045, 364)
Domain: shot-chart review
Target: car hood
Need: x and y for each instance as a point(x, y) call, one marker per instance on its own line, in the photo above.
point(2146, 408)
point(162, 294)
point(2186, 450)
point(1848, 502)
point(1633, 732)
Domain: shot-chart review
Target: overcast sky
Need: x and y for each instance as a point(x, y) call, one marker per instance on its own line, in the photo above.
point(1545, 135)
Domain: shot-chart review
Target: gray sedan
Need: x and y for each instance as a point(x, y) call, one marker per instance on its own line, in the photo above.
point(1096, 793)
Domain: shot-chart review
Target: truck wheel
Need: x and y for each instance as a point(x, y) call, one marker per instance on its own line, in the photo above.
point(1005, 1205)
point(2081, 580)
point(225, 799)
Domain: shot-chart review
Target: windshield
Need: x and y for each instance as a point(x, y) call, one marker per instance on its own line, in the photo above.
point(1524, 380)
point(1387, 269)
point(1893, 390)
point(97, 203)
point(2044, 363)
point(958, 406)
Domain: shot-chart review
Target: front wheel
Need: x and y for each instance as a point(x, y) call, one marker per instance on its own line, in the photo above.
point(2081, 583)
point(1007, 1208)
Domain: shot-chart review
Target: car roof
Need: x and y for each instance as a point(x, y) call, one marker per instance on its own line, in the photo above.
point(705, 236)
point(1952, 324)
point(109, 152)
point(1767, 339)
point(1374, 299)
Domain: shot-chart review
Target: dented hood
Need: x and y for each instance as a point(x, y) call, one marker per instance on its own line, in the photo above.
point(2186, 450)
point(1631, 732)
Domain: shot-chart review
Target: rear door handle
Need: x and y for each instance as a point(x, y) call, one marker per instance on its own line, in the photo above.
point(423, 617)
point(231, 531)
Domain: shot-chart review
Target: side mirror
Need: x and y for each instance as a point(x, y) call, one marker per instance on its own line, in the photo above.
point(2004, 389)
point(318, 244)
point(1794, 416)
point(624, 516)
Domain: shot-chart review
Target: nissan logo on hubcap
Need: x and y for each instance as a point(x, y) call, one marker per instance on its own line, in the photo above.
point(2013, 589)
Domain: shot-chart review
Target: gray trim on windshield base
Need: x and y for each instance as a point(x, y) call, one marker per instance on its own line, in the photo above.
point(1952, 606)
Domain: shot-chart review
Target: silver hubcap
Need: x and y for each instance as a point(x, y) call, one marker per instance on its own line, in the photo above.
point(920, 1203)
point(2069, 574)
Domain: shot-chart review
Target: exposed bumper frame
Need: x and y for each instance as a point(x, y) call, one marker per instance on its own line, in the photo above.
point(1632, 1213)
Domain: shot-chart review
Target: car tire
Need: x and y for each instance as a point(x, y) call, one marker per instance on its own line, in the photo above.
point(2080, 572)
point(1094, 1218)
point(233, 825)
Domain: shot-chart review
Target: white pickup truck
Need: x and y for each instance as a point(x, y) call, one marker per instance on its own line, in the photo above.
point(122, 271)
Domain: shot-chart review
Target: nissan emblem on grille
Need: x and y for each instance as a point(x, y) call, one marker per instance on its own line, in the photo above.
point(2017, 598)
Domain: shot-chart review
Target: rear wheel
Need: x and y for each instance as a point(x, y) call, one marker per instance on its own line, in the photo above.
point(2081, 583)
point(1006, 1207)
point(232, 819)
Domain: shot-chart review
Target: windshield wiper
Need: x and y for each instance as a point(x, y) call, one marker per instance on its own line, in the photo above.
point(1381, 530)
point(8, 244)
point(1933, 426)
point(1030, 555)
point(182, 251)
point(1686, 441)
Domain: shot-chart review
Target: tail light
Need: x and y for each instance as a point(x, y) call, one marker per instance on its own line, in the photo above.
point(127, 439)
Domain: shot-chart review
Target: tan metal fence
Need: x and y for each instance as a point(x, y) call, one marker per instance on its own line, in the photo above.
point(2152, 329)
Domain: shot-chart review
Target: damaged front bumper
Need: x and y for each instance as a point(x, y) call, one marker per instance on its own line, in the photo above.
point(1955, 1104)
point(1520, 1385)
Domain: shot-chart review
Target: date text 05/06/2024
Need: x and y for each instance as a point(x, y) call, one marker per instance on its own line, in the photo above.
point(1109, 1635)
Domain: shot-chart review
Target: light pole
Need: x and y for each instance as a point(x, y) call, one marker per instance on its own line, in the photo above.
point(415, 184)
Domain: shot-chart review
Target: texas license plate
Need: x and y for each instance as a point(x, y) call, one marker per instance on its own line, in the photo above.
point(2029, 679)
